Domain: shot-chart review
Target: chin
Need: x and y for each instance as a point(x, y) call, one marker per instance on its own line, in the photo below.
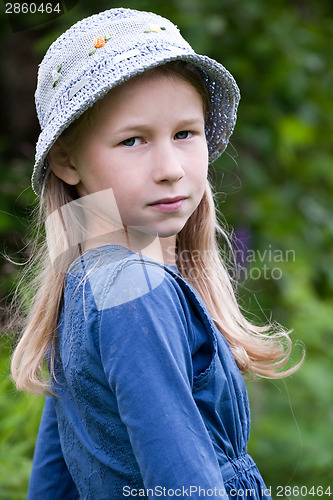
point(166, 230)
point(167, 233)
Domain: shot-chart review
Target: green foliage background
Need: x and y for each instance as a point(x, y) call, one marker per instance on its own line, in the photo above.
point(274, 186)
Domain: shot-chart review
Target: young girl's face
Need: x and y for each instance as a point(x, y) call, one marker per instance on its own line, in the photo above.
point(148, 144)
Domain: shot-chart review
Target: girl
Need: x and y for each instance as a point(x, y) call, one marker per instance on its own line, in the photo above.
point(135, 311)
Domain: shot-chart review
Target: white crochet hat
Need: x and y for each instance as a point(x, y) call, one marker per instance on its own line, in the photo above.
point(105, 50)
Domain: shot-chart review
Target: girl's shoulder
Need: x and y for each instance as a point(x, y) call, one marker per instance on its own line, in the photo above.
point(113, 276)
point(116, 275)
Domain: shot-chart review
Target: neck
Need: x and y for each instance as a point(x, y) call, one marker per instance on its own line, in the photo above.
point(159, 249)
point(168, 246)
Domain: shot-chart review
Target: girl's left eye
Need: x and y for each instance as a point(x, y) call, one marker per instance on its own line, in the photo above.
point(183, 134)
point(132, 141)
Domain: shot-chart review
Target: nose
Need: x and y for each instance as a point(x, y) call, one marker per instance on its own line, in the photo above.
point(167, 164)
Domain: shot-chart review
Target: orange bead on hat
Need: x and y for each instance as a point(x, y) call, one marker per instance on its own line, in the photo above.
point(99, 42)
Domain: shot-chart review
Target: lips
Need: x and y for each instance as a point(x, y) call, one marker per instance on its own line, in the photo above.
point(169, 205)
point(168, 200)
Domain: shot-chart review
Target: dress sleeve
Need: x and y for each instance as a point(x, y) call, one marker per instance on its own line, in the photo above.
point(146, 353)
point(50, 477)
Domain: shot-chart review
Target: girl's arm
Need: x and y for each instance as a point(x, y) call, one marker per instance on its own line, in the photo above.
point(50, 478)
point(146, 352)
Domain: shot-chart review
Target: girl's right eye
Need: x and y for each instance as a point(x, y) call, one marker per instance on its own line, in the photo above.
point(132, 141)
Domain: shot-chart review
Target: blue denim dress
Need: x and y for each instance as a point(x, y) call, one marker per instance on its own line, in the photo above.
point(149, 401)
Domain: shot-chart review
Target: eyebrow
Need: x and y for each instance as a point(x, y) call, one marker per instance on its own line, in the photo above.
point(192, 121)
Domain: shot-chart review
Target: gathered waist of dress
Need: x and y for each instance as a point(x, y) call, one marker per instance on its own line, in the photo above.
point(236, 467)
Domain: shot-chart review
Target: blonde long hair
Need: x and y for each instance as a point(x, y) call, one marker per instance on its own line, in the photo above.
point(261, 350)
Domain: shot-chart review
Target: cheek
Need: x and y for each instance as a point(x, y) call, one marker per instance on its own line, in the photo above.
point(94, 166)
point(128, 194)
